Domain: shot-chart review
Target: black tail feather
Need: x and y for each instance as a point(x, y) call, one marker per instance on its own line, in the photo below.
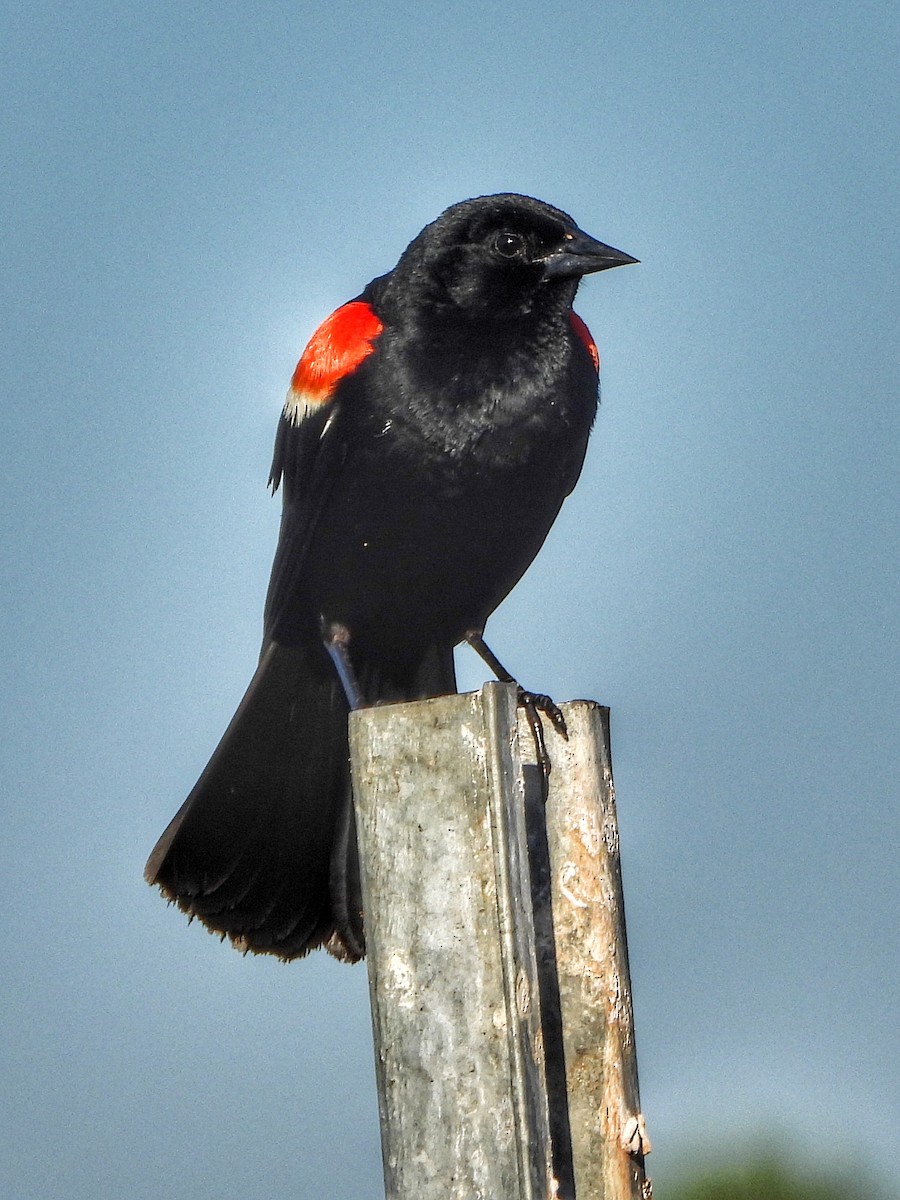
point(264, 848)
point(248, 853)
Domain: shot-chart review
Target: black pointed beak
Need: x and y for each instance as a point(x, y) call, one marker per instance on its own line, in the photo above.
point(580, 254)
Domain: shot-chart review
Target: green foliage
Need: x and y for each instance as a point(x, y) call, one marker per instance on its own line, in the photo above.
point(768, 1176)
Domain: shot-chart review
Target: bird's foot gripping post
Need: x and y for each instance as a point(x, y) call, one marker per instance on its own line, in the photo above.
point(531, 703)
point(498, 969)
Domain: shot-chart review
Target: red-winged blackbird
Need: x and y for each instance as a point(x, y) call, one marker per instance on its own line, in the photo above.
point(433, 428)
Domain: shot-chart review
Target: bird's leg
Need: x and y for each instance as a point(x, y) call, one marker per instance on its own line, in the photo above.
point(336, 640)
point(542, 703)
point(534, 703)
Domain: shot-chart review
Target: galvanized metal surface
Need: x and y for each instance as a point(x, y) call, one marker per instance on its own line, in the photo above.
point(452, 970)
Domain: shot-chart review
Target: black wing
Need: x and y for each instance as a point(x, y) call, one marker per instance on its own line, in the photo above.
point(308, 458)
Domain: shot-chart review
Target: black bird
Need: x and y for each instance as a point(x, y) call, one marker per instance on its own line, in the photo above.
point(433, 428)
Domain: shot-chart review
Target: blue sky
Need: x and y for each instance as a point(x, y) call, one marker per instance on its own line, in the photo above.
point(186, 191)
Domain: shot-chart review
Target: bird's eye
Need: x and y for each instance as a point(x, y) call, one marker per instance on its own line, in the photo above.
point(509, 245)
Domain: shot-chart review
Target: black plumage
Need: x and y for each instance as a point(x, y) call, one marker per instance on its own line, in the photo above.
point(435, 428)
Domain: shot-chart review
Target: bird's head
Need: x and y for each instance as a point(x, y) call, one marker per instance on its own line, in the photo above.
point(501, 255)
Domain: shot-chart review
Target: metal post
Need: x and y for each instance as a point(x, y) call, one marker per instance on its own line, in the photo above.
point(495, 1051)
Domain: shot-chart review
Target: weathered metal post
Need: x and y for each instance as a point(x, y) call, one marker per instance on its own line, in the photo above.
point(473, 1103)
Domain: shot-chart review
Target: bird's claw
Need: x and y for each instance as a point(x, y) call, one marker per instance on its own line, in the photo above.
point(548, 706)
point(533, 704)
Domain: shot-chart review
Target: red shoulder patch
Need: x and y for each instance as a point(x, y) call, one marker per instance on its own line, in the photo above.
point(336, 349)
point(584, 336)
